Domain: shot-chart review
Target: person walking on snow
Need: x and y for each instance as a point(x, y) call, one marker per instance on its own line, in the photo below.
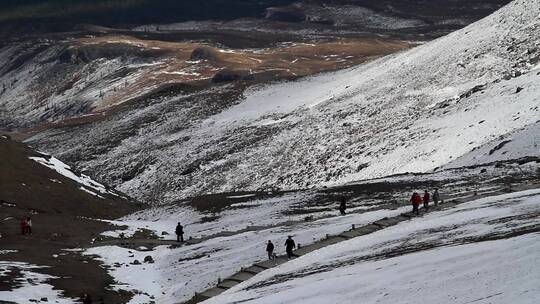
point(270, 250)
point(342, 206)
point(179, 233)
point(289, 246)
point(426, 200)
point(23, 226)
point(415, 200)
point(436, 197)
point(29, 226)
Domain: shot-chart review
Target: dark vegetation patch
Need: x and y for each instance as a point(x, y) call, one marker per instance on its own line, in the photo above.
point(215, 203)
point(210, 218)
point(204, 53)
point(230, 75)
point(143, 233)
point(90, 52)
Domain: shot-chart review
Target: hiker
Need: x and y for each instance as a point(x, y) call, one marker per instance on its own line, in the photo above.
point(179, 233)
point(426, 200)
point(289, 246)
point(29, 226)
point(342, 206)
point(23, 226)
point(87, 299)
point(270, 250)
point(436, 197)
point(415, 200)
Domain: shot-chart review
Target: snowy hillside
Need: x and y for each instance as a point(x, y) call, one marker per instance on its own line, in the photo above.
point(518, 144)
point(463, 255)
point(411, 112)
point(234, 236)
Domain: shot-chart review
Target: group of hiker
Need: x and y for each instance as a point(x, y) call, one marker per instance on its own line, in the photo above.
point(290, 245)
point(26, 226)
point(416, 199)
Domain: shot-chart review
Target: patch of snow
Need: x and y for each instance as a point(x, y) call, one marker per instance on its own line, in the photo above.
point(8, 251)
point(518, 144)
point(32, 285)
point(65, 170)
point(242, 196)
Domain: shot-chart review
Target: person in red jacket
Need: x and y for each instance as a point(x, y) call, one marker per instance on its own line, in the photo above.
point(415, 200)
point(426, 200)
point(23, 226)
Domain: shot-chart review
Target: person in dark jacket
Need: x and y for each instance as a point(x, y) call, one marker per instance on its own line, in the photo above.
point(179, 233)
point(270, 250)
point(87, 299)
point(29, 225)
point(436, 197)
point(289, 246)
point(342, 206)
point(426, 200)
point(415, 200)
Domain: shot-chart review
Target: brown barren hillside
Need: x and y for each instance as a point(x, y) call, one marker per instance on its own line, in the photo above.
point(63, 218)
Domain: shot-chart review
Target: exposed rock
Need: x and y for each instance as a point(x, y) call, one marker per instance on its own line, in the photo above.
point(203, 53)
point(499, 146)
point(148, 259)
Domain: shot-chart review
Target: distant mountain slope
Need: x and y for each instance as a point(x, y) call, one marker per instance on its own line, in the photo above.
point(31, 16)
point(58, 15)
point(414, 111)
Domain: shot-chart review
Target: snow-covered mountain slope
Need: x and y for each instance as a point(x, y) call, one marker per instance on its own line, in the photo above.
point(484, 251)
point(234, 235)
point(411, 112)
point(522, 143)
